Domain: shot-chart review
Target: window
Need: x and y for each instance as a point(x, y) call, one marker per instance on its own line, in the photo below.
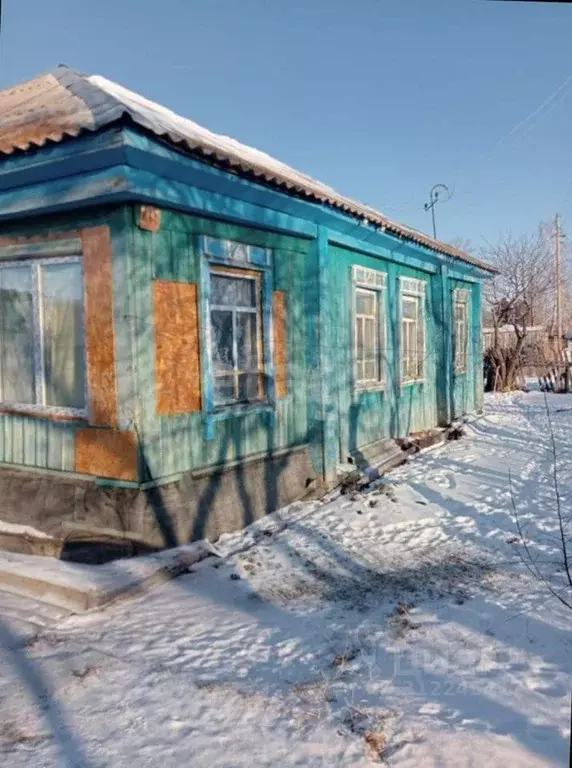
point(369, 328)
point(461, 314)
point(236, 336)
point(42, 358)
point(412, 330)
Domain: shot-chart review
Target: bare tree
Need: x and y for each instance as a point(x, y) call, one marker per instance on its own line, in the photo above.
point(518, 296)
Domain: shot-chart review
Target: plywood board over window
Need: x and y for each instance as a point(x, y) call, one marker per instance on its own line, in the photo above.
point(99, 327)
point(280, 344)
point(177, 366)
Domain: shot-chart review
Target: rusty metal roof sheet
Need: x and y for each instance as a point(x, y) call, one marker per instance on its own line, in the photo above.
point(65, 103)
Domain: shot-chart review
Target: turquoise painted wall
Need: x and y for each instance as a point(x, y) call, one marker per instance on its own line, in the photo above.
point(321, 408)
point(43, 443)
point(174, 444)
point(464, 384)
point(396, 410)
point(314, 248)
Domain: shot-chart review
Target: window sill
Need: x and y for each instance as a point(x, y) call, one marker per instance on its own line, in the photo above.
point(43, 413)
point(234, 411)
point(376, 387)
point(411, 382)
point(227, 411)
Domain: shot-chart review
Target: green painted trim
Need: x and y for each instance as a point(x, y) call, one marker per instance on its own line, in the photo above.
point(104, 482)
point(67, 247)
point(463, 276)
point(447, 342)
point(328, 368)
point(369, 249)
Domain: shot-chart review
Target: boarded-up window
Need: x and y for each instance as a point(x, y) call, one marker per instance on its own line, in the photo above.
point(280, 344)
point(177, 348)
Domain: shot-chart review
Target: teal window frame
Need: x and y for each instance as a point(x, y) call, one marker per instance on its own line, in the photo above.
point(217, 252)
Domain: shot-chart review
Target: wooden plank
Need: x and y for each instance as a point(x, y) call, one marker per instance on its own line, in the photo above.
point(280, 344)
point(99, 326)
point(10, 240)
point(106, 453)
point(177, 365)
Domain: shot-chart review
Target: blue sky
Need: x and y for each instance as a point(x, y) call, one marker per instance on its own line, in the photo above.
point(379, 98)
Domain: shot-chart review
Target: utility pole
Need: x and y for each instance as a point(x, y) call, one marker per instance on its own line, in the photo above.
point(558, 284)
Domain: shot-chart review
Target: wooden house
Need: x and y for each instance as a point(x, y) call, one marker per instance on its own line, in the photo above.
point(192, 333)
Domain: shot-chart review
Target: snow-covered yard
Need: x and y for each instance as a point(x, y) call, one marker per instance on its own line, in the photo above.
point(398, 621)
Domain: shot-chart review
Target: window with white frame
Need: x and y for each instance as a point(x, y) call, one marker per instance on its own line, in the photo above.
point(369, 329)
point(412, 329)
point(236, 335)
point(461, 331)
point(42, 351)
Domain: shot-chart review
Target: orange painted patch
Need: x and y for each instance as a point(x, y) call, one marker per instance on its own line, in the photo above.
point(150, 218)
point(280, 344)
point(177, 351)
point(106, 453)
point(99, 326)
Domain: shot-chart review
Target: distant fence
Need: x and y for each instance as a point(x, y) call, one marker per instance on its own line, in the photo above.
point(541, 356)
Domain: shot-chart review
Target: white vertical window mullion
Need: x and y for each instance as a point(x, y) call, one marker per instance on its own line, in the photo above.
point(38, 335)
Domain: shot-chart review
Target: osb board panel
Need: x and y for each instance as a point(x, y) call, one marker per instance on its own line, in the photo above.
point(99, 330)
point(106, 453)
point(149, 218)
point(177, 365)
point(280, 344)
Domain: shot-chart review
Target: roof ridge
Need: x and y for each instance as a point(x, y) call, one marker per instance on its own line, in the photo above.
point(104, 106)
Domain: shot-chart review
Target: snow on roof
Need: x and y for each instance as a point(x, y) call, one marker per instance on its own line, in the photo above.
point(64, 103)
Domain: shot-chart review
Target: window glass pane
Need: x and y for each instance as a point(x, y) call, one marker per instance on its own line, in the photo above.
point(221, 341)
point(62, 328)
point(17, 339)
point(409, 308)
point(248, 386)
point(369, 337)
point(235, 338)
point(369, 370)
point(232, 291)
point(247, 341)
point(365, 303)
point(371, 366)
point(223, 389)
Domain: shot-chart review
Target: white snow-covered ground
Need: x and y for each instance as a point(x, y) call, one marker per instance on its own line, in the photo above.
point(399, 621)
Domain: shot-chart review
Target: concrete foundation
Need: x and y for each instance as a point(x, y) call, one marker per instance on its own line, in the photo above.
point(203, 504)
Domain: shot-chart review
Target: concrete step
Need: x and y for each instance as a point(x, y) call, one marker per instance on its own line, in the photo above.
point(79, 588)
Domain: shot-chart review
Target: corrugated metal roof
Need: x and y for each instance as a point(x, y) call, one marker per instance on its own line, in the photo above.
point(64, 103)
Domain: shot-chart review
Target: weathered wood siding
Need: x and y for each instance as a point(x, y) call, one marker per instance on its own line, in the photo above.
point(396, 410)
point(174, 444)
point(46, 443)
point(464, 385)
